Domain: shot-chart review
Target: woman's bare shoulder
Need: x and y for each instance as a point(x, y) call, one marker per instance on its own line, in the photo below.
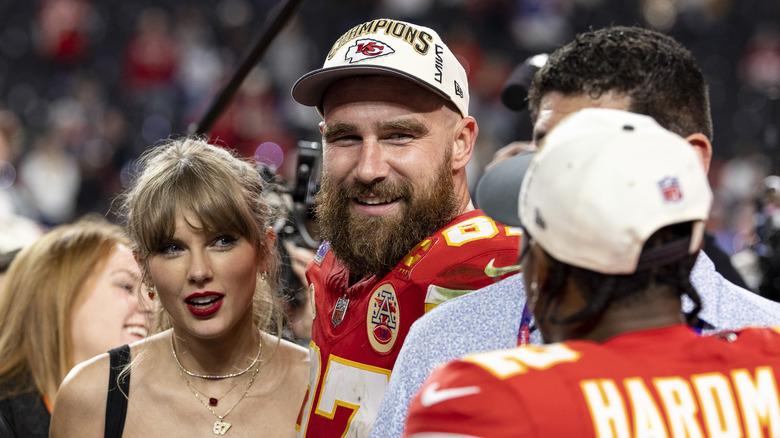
point(80, 405)
point(289, 351)
point(288, 360)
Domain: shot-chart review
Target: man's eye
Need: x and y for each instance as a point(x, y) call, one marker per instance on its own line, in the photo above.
point(400, 136)
point(343, 140)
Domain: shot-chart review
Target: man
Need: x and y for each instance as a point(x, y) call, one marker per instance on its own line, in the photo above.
point(627, 68)
point(401, 233)
point(514, 96)
point(613, 207)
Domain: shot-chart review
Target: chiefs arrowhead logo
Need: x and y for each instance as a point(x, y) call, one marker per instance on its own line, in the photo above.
point(367, 48)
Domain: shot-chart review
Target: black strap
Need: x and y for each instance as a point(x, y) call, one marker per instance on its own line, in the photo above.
point(118, 391)
point(5, 428)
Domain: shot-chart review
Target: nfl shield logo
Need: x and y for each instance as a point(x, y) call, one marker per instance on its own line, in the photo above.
point(670, 189)
point(339, 311)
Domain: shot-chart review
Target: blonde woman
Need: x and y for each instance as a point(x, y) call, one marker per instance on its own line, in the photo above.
point(200, 230)
point(71, 295)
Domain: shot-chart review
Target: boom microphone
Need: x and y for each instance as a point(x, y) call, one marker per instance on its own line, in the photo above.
point(280, 16)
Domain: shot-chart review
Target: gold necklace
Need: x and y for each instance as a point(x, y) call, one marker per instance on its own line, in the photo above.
point(220, 426)
point(212, 376)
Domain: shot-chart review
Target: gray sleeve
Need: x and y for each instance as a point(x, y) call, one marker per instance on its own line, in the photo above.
point(726, 306)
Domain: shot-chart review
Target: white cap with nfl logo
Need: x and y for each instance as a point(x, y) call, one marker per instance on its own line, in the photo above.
point(390, 48)
point(603, 182)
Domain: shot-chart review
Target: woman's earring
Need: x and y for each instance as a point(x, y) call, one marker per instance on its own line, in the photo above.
point(152, 292)
point(264, 277)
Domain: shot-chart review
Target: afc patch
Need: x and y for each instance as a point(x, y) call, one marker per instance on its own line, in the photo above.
point(321, 251)
point(382, 319)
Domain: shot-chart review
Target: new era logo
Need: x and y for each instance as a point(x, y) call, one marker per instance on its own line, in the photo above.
point(367, 48)
point(458, 90)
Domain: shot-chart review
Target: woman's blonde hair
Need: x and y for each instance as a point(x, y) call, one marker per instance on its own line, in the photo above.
point(37, 296)
point(223, 191)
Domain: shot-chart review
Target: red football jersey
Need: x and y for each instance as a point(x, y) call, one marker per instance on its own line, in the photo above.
point(358, 330)
point(666, 382)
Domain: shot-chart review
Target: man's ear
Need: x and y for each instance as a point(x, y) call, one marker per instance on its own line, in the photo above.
point(463, 145)
point(703, 147)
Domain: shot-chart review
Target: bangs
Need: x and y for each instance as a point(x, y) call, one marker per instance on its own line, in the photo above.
point(213, 198)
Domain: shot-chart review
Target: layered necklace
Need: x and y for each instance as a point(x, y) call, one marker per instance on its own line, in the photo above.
point(213, 376)
point(220, 426)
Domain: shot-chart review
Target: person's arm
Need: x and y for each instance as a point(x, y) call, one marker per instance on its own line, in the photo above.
point(726, 306)
point(417, 358)
point(301, 318)
point(80, 405)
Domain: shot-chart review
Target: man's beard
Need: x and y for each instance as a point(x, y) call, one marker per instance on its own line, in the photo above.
point(373, 245)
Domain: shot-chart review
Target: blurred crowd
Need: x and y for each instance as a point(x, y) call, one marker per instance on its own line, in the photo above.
point(87, 85)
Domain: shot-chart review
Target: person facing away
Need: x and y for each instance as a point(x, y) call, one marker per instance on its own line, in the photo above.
point(613, 209)
point(627, 68)
point(400, 232)
point(199, 224)
point(68, 296)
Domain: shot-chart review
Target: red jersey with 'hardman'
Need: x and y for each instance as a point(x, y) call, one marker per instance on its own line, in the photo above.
point(666, 382)
point(358, 330)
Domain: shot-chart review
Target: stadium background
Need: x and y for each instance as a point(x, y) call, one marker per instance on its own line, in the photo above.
point(94, 82)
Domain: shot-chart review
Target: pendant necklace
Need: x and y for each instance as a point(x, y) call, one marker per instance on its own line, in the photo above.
point(213, 401)
point(220, 425)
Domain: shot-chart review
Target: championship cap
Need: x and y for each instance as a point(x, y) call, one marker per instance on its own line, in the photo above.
point(602, 182)
point(389, 48)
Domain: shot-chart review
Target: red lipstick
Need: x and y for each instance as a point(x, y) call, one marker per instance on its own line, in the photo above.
point(204, 304)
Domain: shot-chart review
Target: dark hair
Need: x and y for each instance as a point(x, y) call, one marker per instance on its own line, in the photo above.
point(603, 290)
point(661, 77)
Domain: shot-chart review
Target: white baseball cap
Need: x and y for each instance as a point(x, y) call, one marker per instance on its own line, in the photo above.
point(603, 181)
point(389, 48)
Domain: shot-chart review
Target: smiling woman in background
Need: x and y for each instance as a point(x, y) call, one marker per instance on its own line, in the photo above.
point(69, 296)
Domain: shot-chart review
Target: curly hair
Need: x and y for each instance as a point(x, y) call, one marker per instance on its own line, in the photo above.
point(659, 75)
point(602, 291)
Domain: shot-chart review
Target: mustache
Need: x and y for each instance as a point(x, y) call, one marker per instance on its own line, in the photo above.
point(382, 189)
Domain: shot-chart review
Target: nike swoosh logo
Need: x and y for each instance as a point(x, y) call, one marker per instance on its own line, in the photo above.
point(497, 271)
point(432, 395)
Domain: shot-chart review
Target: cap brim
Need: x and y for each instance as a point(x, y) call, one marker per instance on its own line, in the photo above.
point(498, 189)
point(310, 88)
